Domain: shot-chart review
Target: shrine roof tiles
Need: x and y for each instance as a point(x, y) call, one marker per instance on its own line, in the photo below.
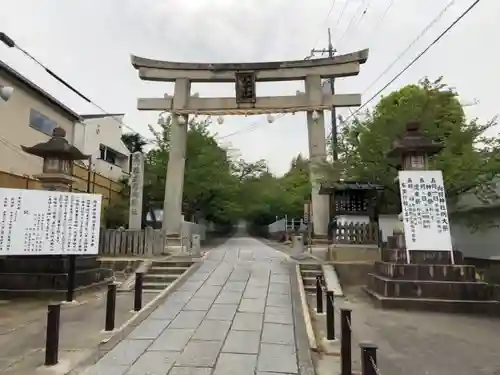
point(331, 187)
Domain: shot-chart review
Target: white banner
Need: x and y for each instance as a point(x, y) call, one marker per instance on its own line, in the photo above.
point(38, 222)
point(425, 215)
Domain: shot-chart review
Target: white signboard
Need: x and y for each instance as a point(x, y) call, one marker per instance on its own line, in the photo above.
point(136, 188)
point(38, 222)
point(425, 216)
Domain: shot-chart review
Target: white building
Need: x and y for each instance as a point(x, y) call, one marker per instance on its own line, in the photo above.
point(100, 137)
point(28, 118)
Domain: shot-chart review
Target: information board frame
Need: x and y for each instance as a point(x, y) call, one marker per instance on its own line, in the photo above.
point(41, 222)
point(424, 211)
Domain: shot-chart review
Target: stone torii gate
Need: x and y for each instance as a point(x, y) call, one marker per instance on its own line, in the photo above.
point(245, 75)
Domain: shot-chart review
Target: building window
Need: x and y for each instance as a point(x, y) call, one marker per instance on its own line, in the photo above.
point(42, 123)
point(107, 154)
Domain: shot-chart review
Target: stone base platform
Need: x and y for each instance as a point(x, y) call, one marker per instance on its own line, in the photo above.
point(432, 289)
point(436, 272)
point(422, 257)
point(430, 282)
point(436, 305)
point(47, 276)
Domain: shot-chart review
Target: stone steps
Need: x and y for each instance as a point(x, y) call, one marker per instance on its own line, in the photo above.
point(164, 272)
point(438, 305)
point(309, 273)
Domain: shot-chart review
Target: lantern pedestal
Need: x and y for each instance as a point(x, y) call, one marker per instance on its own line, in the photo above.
point(429, 282)
point(47, 276)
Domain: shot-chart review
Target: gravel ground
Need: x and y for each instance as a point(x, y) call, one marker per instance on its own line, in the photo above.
point(420, 343)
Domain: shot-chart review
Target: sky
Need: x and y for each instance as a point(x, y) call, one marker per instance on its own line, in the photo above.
point(89, 43)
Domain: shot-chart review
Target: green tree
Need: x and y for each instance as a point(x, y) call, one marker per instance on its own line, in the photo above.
point(210, 185)
point(134, 142)
point(470, 160)
point(267, 196)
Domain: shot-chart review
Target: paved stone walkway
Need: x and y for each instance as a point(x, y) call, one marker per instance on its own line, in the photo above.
point(234, 315)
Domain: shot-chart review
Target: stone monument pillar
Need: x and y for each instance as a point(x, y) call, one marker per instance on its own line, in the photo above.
point(136, 191)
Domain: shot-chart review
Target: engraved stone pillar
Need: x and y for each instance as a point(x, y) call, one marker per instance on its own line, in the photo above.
point(136, 191)
point(317, 155)
point(172, 205)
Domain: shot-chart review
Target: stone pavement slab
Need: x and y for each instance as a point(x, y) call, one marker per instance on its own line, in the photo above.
point(234, 315)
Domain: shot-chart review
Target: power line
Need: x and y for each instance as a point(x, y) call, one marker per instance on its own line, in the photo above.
point(325, 21)
point(360, 19)
point(434, 42)
point(11, 44)
point(352, 21)
point(419, 36)
point(384, 15)
point(343, 11)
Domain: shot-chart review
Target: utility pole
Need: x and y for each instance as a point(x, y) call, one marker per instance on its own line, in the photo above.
point(331, 51)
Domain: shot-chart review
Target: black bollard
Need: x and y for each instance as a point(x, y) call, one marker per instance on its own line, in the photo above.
point(345, 342)
point(319, 295)
point(368, 358)
point(330, 318)
point(70, 292)
point(52, 335)
point(138, 291)
point(110, 308)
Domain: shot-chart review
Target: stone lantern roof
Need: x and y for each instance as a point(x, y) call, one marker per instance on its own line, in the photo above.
point(56, 147)
point(413, 141)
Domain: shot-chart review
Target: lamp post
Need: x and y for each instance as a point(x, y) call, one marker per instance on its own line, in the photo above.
point(58, 156)
point(413, 150)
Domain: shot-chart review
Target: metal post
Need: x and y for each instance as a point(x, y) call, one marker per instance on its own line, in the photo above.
point(330, 318)
point(71, 278)
point(319, 295)
point(368, 358)
point(89, 174)
point(52, 335)
point(345, 342)
point(110, 308)
point(138, 291)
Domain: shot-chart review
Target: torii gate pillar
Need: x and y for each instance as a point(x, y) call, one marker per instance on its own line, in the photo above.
point(172, 204)
point(317, 155)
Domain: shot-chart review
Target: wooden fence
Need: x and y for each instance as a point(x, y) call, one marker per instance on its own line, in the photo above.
point(357, 233)
point(109, 189)
point(132, 242)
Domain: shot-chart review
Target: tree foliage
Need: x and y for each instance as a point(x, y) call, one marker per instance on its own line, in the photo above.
point(134, 142)
point(267, 197)
point(470, 160)
point(220, 188)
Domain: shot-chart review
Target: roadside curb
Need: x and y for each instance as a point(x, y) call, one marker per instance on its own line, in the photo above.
point(305, 310)
point(124, 330)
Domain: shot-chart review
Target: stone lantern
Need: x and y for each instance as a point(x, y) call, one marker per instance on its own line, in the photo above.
point(414, 148)
point(52, 274)
point(58, 157)
point(425, 279)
